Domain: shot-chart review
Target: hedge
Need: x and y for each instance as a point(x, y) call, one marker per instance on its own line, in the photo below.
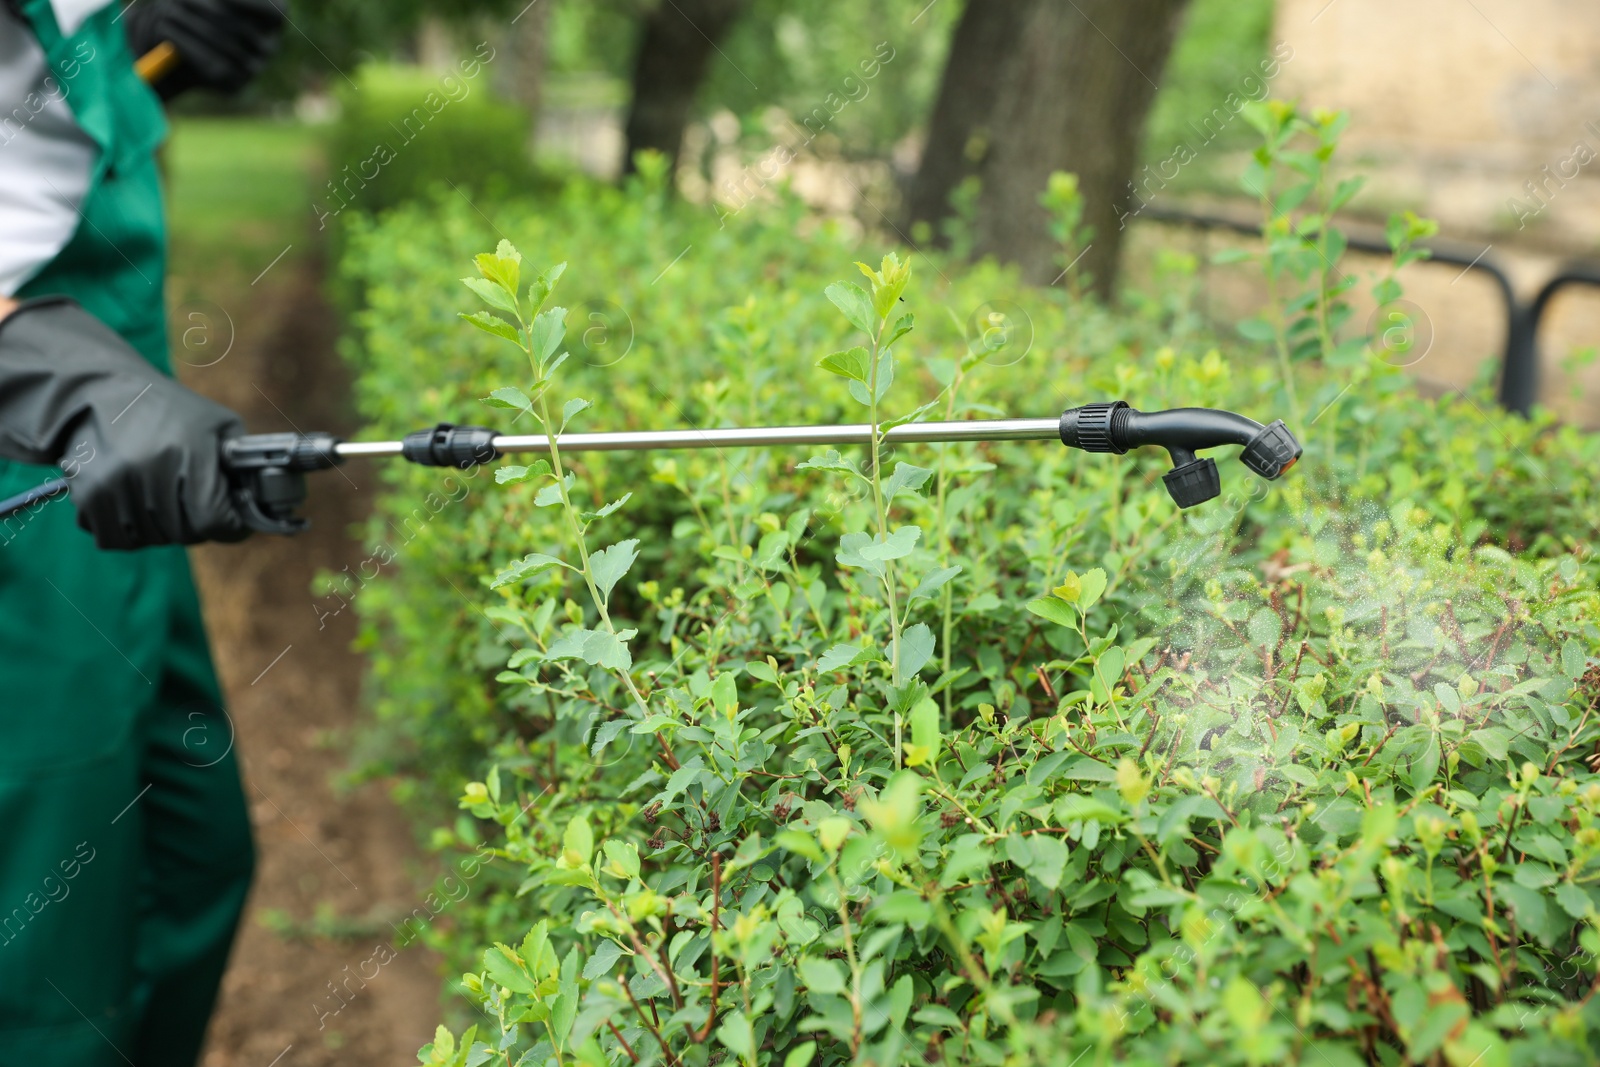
point(967, 754)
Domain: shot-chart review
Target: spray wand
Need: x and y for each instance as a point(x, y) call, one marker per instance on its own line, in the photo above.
point(267, 471)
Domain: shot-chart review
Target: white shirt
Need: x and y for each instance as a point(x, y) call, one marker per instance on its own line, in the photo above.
point(46, 160)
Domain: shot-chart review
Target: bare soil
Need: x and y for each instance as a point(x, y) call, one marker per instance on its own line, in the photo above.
point(305, 987)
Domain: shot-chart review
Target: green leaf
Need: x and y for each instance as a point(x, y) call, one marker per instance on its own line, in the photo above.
point(969, 854)
point(925, 732)
point(500, 963)
point(932, 583)
point(902, 326)
point(512, 474)
point(1425, 765)
point(502, 266)
point(897, 545)
point(1479, 1046)
point(895, 814)
point(494, 324)
point(769, 553)
point(1264, 628)
point(832, 831)
point(577, 844)
point(916, 649)
point(569, 409)
point(590, 516)
point(829, 461)
point(822, 975)
point(509, 396)
point(841, 656)
point(737, 1035)
point(601, 960)
point(492, 294)
point(801, 844)
point(854, 363)
point(623, 857)
point(856, 306)
point(880, 384)
point(1075, 807)
point(725, 694)
point(548, 330)
point(1533, 914)
point(1574, 660)
point(1047, 859)
point(1093, 585)
point(545, 284)
point(801, 1055)
point(915, 415)
point(608, 565)
point(903, 906)
point(1245, 1007)
point(1055, 609)
point(870, 553)
point(1493, 740)
point(523, 569)
point(905, 479)
point(600, 648)
point(1573, 900)
point(550, 495)
point(1256, 330)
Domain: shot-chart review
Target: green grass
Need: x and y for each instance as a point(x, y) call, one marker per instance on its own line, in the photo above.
point(238, 191)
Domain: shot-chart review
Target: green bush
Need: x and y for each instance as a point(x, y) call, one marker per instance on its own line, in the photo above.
point(966, 754)
point(402, 129)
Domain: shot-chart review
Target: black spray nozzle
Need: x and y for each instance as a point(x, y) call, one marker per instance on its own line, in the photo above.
point(1116, 427)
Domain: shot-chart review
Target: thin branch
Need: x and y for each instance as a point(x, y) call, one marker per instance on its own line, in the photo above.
point(653, 1027)
point(632, 1055)
point(704, 1032)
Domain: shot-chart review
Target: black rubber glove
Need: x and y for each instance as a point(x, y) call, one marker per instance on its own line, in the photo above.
point(221, 44)
point(144, 453)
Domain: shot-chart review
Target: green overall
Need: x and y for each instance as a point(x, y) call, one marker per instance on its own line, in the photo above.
point(125, 848)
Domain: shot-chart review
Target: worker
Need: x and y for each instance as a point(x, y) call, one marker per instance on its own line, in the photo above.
point(125, 850)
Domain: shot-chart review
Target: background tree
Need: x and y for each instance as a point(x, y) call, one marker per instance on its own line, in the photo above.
point(1046, 85)
point(679, 38)
point(981, 44)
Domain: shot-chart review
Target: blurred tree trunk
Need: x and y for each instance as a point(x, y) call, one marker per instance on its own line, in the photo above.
point(529, 45)
point(679, 39)
point(983, 42)
point(1070, 92)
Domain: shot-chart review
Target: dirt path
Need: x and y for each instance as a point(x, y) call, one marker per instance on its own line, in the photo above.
point(335, 865)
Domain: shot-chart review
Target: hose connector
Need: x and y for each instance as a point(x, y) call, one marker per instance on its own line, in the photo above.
point(449, 445)
point(1092, 427)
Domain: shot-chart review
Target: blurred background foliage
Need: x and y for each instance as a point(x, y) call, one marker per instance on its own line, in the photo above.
point(787, 54)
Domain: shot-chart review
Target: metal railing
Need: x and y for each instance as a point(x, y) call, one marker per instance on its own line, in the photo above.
point(1519, 360)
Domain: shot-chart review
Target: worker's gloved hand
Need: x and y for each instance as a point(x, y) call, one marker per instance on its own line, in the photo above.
point(144, 453)
point(222, 44)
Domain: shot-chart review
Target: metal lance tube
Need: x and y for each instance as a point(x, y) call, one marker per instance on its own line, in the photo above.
point(748, 437)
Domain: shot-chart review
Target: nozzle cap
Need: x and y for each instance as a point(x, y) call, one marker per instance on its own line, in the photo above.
point(1272, 451)
point(1193, 483)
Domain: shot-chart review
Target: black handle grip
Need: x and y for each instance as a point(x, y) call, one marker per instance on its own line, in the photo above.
point(267, 472)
